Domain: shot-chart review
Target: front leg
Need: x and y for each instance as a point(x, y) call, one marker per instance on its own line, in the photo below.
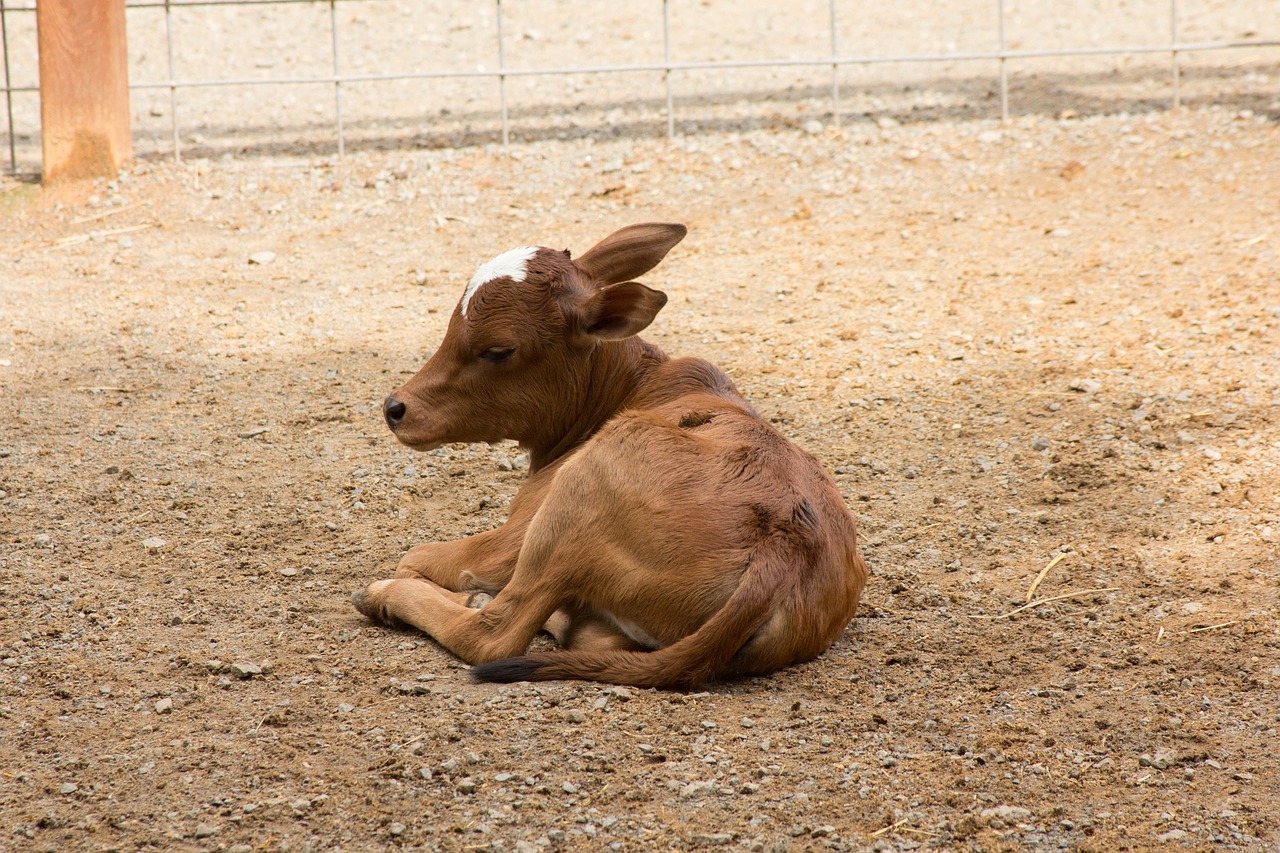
point(503, 628)
point(481, 562)
point(484, 561)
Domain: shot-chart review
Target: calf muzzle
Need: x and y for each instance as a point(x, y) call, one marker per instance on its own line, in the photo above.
point(393, 411)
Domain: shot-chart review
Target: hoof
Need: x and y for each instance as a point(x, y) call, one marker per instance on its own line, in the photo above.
point(375, 612)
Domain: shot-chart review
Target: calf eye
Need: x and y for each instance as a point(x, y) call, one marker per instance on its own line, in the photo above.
point(497, 355)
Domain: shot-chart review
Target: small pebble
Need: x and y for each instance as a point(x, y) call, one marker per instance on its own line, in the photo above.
point(153, 543)
point(1085, 386)
point(262, 258)
point(164, 706)
point(205, 830)
point(245, 669)
point(68, 788)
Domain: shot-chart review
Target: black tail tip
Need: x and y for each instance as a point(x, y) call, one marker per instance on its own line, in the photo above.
point(508, 670)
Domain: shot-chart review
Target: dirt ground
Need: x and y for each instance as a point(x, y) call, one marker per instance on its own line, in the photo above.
point(1040, 358)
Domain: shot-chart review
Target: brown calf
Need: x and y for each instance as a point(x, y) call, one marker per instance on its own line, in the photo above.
point(666, 535)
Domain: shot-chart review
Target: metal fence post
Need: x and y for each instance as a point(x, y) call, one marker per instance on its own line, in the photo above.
point(173, 90)
point(8, 87)
point(1173, 57)
point(835, 69)
point(502, 81)
point(84, 88)
point(337, 78)
point(666, 70)
point(1004, 72)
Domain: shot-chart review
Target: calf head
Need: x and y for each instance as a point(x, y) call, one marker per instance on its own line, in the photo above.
point(524, 343)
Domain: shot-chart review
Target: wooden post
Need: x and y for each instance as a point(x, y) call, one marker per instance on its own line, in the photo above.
point(84, 88)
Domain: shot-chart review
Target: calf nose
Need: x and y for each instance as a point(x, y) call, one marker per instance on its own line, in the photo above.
point(393, 411)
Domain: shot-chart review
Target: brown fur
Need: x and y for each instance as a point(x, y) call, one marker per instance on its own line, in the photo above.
point(667, 535)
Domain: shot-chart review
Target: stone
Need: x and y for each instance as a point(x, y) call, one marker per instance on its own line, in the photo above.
point(245, 669)
point(1085, 386)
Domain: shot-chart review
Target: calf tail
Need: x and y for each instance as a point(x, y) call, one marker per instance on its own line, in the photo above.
point(686, 663)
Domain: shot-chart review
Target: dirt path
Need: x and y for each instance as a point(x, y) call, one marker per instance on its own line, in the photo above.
point(1051, 345)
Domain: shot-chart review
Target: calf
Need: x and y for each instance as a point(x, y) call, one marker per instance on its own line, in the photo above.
point(666, 534)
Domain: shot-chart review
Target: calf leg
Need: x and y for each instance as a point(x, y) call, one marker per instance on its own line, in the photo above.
point(481, 562)
point(503, 628)
point(487, 560)
point(588, 631)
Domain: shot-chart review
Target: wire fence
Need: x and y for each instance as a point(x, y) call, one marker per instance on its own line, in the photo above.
point(835, 60)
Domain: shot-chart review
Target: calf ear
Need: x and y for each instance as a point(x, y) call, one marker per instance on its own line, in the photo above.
point(620, 310)
point(630, 252)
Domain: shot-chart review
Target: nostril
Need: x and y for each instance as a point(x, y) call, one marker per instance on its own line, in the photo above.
point(393, 411)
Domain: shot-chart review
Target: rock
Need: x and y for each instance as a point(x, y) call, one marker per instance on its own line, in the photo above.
point(715, 839)
point(164, 706)
point(697, 789)
point(990, 136)
point(575, 716)
point(813, 127)
point(1164, 759)
point(289, 572)
point(262, 258)
point(1172, 835)
point(245, 669)
point(950, 351)
point(396, 829)
point(1192, 607)
point(68, 788)
point(1004, 814)
point(153, 543)
point(1039, 443)
point(569, 788)
point(909, 154)
point(1085, 386)
point(206, 830)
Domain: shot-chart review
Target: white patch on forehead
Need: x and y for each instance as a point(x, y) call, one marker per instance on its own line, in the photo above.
point(507, 265)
